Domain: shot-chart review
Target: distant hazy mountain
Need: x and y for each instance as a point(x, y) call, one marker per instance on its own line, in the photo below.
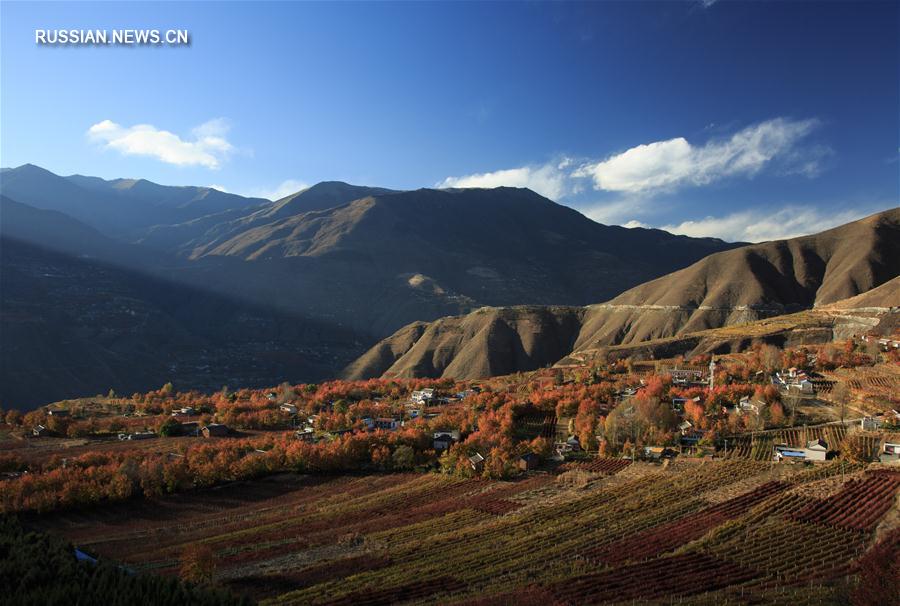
point(57, 231)
point(122, 207)
point(723, 289)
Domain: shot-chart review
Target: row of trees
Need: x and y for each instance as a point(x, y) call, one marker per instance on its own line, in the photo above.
point(118, 475)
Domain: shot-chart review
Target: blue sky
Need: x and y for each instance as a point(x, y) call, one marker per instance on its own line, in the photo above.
point(744, 120)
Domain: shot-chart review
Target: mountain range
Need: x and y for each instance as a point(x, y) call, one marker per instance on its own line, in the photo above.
point(343, 265)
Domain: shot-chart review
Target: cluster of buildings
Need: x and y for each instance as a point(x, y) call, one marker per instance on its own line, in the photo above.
point(795, 380)
point(885, 342)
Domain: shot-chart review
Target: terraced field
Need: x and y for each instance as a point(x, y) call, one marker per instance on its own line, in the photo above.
point(697, 532)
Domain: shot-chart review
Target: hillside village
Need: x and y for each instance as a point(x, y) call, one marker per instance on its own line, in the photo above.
point(314, 493)
point(796, 405)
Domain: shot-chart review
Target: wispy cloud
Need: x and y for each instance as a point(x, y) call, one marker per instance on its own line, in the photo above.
point(550, 180)
point(206, 145)
point(285, 188)
point(760, 225)
point(617, 212)
point(674, 163)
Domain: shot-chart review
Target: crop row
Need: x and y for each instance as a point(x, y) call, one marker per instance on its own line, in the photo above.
point(859, 505)
point(666, 537)
point(672, 576)
point(606, 466)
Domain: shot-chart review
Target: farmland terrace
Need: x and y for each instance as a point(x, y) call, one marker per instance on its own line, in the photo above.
point(700, 531)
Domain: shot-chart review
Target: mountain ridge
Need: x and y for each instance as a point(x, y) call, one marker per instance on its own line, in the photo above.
point(848, 260)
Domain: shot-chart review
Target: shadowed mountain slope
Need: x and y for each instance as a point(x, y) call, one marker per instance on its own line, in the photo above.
point(472, 247)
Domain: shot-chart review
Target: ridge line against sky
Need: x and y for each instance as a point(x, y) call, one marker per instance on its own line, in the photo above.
point(746, 121)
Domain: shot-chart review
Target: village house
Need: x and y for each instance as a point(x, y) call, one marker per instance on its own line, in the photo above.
point(569, 446)
point(783, 452)
point(884, 342)
point(657, 453)
point(422, 396)
point(288, 408)
point(387, 424)
point(57, 412)
point(214, 430)
point(476, 462)
point(40, 431)
point(747, 405)
point(793, 379)
point(187, 410)
point(685, 374)
point(816, 450)
point(890, 451)
point(685, 427)
point(444, 439)
point(528, 461)
point(307, 434)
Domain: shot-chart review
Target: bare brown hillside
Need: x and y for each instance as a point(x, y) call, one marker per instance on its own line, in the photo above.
point(729, 288)
point(489, 341)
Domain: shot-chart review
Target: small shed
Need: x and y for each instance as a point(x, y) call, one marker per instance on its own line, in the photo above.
point(528, 461)
point(476, 462)
point(444, 439)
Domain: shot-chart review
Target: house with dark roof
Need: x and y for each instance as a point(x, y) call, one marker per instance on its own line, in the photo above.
point(214, 430)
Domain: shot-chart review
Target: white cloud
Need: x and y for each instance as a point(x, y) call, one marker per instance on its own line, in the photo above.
point(549, 180)
point(635, 223)
point(285, 188)
point(667, 165)
point(759, 225)
point(615, 213)
point(207, 145)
